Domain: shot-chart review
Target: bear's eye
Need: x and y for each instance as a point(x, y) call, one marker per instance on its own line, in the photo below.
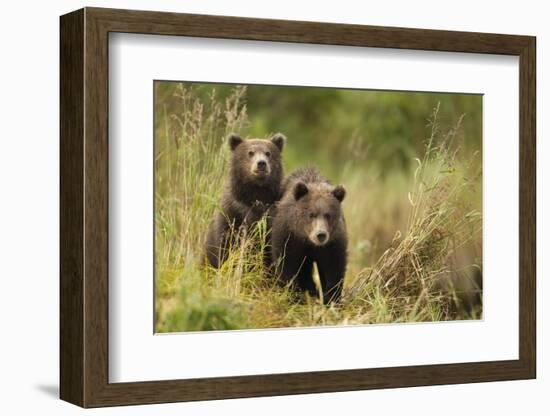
point(312, 215)
point(268, 154)
point(327, 217)
point(250, 153)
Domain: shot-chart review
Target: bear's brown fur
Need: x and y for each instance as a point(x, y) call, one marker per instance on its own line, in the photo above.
point(308, 227)
point(253, 186)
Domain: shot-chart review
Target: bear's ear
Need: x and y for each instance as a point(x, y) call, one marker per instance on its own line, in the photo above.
point(234, 140)
point(300, 190)
point(339, 193)
point(279, 140)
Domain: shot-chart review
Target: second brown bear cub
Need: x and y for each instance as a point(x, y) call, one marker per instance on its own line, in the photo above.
point(308, 228)
point(253, 186)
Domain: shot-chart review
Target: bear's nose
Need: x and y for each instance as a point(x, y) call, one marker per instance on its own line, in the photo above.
point(321, 236)
point(262, 164)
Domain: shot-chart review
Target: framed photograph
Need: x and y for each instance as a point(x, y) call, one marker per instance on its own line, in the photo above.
point(256, 207)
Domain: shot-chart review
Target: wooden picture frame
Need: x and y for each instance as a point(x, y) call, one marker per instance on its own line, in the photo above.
point(84, 207)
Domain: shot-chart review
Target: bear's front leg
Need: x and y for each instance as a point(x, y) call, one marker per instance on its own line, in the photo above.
point(304, 280)
point(217, 241)
point(255, 212)
point(287, 257)
point(292, 267)
point(236, 211)
point(332, 270)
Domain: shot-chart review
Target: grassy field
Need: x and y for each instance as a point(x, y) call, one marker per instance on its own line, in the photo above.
point(414, 230)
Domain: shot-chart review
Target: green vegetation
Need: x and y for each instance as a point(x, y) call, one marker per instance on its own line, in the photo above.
point(412, 170)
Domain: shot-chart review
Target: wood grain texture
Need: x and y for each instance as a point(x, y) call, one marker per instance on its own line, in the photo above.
point(527, 208)
point(71, 213)
point(84, 207)
point(225, 27)
point(96, 218)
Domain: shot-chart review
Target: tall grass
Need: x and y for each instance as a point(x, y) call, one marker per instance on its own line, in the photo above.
point(414, 275)
point(418, 274)
point(190, 167)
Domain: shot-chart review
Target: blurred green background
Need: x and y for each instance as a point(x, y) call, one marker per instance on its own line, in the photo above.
point(386, 129)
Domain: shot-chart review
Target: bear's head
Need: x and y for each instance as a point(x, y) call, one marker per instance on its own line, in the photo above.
point(318, 210)
point(256, 161)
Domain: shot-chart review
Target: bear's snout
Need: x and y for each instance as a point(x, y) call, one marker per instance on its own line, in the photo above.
point(260, 167)
point(319, 234)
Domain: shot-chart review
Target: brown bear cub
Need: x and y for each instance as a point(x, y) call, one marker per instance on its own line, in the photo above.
point(253, 186)
point(308, 227)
